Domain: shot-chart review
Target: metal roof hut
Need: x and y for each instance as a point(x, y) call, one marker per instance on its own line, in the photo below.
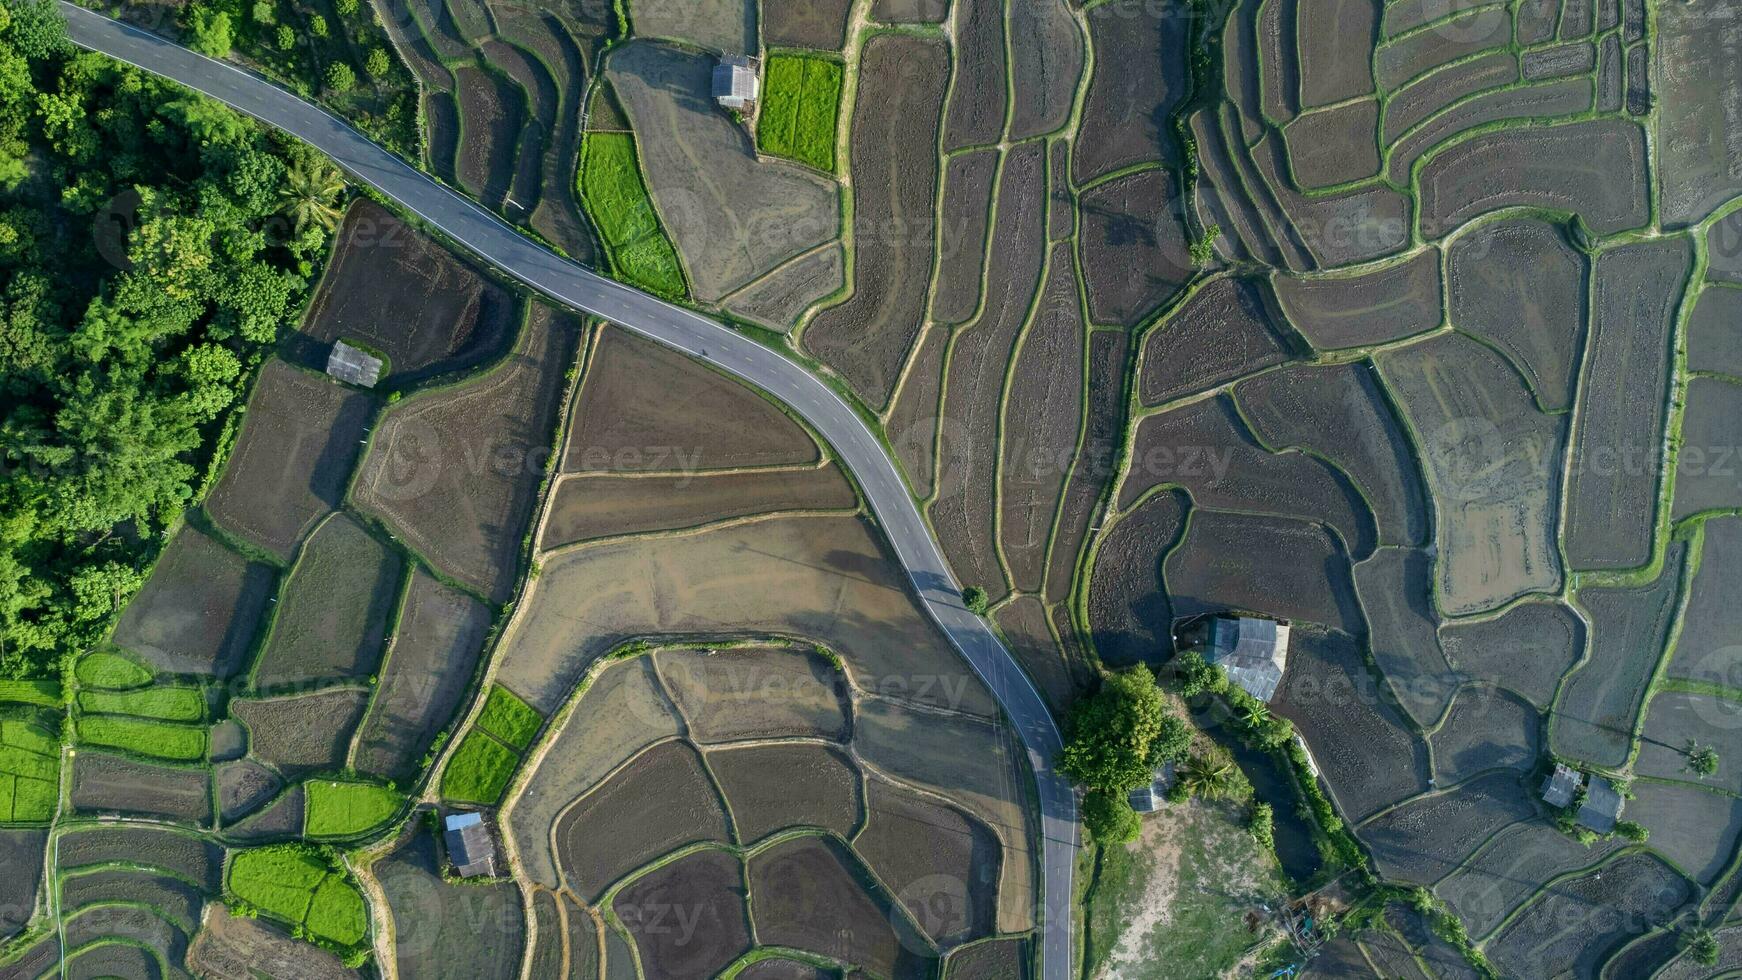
point(1148, 799)
point(1562, 785)
point(470, 849)
point(350, 364)
point(736, 85)
point(1253, 652)
point(1602, 806)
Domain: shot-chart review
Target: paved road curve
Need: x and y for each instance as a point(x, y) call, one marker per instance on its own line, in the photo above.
point(574, 286)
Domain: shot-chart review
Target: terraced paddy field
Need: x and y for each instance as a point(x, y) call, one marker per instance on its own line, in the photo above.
point(1378, 318)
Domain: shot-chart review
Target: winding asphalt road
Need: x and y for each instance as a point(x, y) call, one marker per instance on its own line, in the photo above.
point(576, 287)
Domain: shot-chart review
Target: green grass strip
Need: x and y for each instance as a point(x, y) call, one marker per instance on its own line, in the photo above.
point(42, 694)
point(110, 670)
point(178, 743)
point(346, 809)
point(511, 720)
point(801, 103)
point(616, 199)
point(161, 703)
point(479, 770)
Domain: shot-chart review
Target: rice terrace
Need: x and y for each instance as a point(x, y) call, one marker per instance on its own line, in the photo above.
point(901, 489)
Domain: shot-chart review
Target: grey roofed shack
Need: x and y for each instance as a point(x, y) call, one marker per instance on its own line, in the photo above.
point(1561, 785)
point(470, 849)
point(347, 363)
point(1253, 652)
point(1148, 798)
point(1602, 806)
point(735, 82)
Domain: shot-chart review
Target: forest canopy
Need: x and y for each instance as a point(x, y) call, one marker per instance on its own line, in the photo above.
point(153, 243)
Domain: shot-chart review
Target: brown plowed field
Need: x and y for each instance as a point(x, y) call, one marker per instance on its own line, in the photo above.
point(1259, 564)
point(977, 95)
point(941, 863)
point(688, 917)
point(967, 211)
point(1130, 617)
point(1395, 587)
point(429, 669)
point(825, 578)
point(1134, 246)
point(1520, 286)
point(1334, 146)
point(306, 733)
point(198, 612)
point(779, 299)
point(1338, 413)
point(772, 787)
point(456, 471)
point(979, 356)
point(813, 896)
point(1335, 39)
point(756, 692)
point(1527, 649)
point(1094, 465)
point(400, 292)
point(647, 408)
point(912, 425)
point(1046, 59)
point(237, 946)
point(1139, 76)
point(1205, 447)
point(1023, 622)
point(293, 459)
point(1221, 332)
point(660, 802)
point(805, 23)
point(588, 506)
point(332, 618)
point(895, 175)
point(103, 783)
point(1595, 169)
point(492, 112)
point(1366, 308)
point(1042, 414)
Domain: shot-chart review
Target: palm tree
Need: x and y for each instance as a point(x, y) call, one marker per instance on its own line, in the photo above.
point(1208, 777)
point(309, 189)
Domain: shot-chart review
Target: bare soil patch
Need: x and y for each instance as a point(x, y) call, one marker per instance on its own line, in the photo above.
point(1361, 745)
point(429, 669)
point(896, 113)
point(400, 292)
point(1046, 59)
point(1707, 475)
point(1334, 146)
point(814, 896)
point(967, 219)
point(963, 511)
point(756, 692)
point(1395, 587)
point(1336, 48)
point(1706, 649)
point(332, 621)
point(779, 299)
point(941, 863)
point(293, 459)
point(303, 733)
point(1599, 704)
point(1093, 467)
point(1257, 563)
point(456, 471)
point(103, 783)
point(1042, 416)
point(1582, 920)
point(978, 96)
point(1130, 617)
point(243, 787)
point(727, 26)
point(1222, 331)
point(492, 112)
point(1715, 330)
point(589, 506)
point(1365, 308)
point(1487, 729)
point(1526, 649)
point(708, 887)
point(1519, 285)
point(1139, 76)
point(628, 420)
point(772, 787)
point(805, 23)
point(468, 930)
point(1134, 246)
point(660, 802)
point(22, 851)
point(1595, 169)
point(199, 610)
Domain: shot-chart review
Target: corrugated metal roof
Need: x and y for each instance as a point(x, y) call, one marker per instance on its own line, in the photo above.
point(347, 363)
point(1252, 652)
point(1602, 806)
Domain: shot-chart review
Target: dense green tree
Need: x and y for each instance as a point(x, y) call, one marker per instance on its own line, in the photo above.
point(317, 25)
point(1702, 946)
point(35, 28)
point(1702, 759)
point(339, 77)
point(310, 188)
point(1109, 818)
point(976, 600)
point(121, 352)
point(346, 8)
point(377, 64)
point(209, 31)
point(285, 38)
point(1212, 776)
point(1116, 737)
